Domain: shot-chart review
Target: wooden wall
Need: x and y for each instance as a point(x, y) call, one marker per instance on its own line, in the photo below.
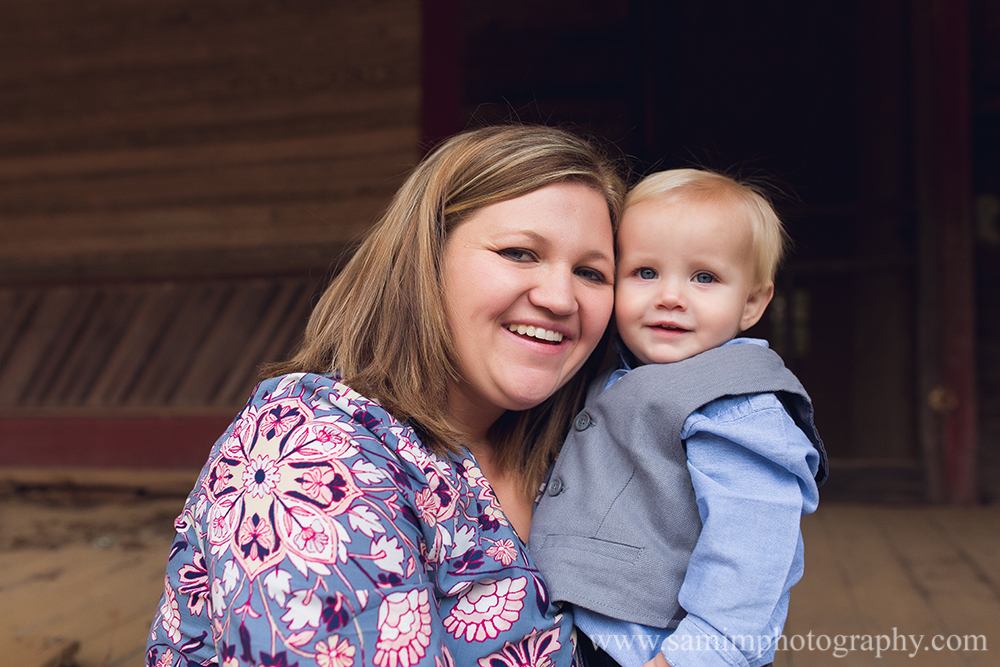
point(176, 179)
point(182, 137)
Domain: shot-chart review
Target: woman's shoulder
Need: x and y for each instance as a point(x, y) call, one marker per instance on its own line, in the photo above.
point(318, 417)
point(287, 402)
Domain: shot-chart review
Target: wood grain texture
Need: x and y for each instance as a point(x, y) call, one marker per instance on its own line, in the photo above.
point(173, 138)
point(178, 347)
point(926, 572)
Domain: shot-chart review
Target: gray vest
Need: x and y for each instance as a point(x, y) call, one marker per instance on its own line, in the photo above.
point(617, 524)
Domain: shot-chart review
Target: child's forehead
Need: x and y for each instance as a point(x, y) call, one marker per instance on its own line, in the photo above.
point(654, 230)
point(697, 216)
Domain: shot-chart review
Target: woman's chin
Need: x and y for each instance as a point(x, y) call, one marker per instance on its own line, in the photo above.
point(525, 400)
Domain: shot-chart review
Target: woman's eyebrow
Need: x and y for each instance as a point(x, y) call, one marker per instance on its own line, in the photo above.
point(599, 254)
point(526, 233)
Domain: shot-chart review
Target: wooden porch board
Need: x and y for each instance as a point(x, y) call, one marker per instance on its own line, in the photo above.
point(888, 571)
point(92, 572)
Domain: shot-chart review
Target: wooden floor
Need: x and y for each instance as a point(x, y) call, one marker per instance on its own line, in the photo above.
point(81, 572)
point(882, 572)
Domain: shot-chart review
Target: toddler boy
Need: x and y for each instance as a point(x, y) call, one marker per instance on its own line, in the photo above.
point(671, 518)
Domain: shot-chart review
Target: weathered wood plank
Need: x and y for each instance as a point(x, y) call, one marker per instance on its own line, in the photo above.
point(145, 483)
point(961, 593)
point(974, 534)
point(191, 125)
point(143, 138)
point(168, 346)
point(283, 320)
point(123, 368)
point(16, 308)
point(32, 343)
point(42, 615)
point(822, 602)
point(160, 373)
point(871, 569)
point(53, 358)
point(94, 346)
point(337, 144)
point(276, 183)
point(216, 240)
point(881, 595)
point(288, 330)
point(223, 346)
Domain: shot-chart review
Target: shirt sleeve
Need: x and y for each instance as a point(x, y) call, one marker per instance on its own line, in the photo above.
point(301, 545)
point(753, 474)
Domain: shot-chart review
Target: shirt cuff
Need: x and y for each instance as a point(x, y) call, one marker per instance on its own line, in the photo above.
point(696, 643)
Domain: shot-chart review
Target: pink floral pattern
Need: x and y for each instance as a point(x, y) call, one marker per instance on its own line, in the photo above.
point(404, 628)
point(335, 653)
point(322, 532)
point(503, 551)
point(487, 609)
point(535, 650)
point(260, 476)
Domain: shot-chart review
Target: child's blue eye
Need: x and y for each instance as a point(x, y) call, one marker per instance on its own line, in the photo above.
point(647, 274)
point(704, 278)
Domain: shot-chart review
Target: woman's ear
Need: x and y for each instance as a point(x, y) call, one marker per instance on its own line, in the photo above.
point(756, 304)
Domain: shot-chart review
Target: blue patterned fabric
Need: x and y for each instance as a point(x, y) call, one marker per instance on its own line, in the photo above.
point(323, 532)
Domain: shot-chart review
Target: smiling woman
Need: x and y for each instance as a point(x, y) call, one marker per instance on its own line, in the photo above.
point(394, 458)
point(527, 298)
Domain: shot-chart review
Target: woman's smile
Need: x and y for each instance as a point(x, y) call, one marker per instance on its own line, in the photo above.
point(537, 333)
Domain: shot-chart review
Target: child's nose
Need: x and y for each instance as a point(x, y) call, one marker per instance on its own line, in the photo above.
point(670, 296)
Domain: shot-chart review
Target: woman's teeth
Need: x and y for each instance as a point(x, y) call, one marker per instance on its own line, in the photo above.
point(536, 332)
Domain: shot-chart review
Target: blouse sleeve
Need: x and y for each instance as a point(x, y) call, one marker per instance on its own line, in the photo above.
point(300, 545)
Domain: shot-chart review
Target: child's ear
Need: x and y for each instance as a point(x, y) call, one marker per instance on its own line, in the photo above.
point(756, 304)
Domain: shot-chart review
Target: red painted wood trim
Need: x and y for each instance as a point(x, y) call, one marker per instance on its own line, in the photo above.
point(953, 149)
point(441, 76)
point(109, 442)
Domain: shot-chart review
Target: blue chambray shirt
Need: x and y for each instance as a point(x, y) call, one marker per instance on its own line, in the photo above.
point(753, 472)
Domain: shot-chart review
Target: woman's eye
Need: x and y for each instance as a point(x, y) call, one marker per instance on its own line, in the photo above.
point(646, 274)
point(704, 278)
point(517, 254)
point(593, 275)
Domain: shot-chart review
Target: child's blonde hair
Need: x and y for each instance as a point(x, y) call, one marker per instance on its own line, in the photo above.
point(768, 233)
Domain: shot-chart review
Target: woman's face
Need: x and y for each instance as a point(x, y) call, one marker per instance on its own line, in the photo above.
point(528, 290)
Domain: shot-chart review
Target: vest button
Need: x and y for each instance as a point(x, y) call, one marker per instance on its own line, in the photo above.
point(555, 486)
point(582, 421)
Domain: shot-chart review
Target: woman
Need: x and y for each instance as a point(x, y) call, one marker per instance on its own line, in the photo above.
point(370, 504)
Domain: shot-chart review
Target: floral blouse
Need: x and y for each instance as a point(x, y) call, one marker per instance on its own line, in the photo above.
point(322, 532)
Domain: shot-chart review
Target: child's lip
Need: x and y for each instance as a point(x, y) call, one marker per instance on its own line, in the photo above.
point(669, 326)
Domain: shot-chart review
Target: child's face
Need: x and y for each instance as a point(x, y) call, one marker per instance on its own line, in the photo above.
point(685, 278)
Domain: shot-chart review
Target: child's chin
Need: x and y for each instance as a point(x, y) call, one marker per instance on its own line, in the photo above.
point(670, 355)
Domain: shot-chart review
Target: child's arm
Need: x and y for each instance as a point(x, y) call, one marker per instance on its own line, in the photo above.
point(752, 469)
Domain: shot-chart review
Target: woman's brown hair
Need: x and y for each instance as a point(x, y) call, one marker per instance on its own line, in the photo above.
point(381, 322)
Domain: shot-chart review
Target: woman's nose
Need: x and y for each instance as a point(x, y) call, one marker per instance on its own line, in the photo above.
point(555, 292)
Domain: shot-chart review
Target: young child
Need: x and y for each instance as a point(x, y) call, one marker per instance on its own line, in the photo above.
point(671, 519)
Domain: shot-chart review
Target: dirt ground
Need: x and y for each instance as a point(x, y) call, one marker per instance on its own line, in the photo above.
point(81, 567)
